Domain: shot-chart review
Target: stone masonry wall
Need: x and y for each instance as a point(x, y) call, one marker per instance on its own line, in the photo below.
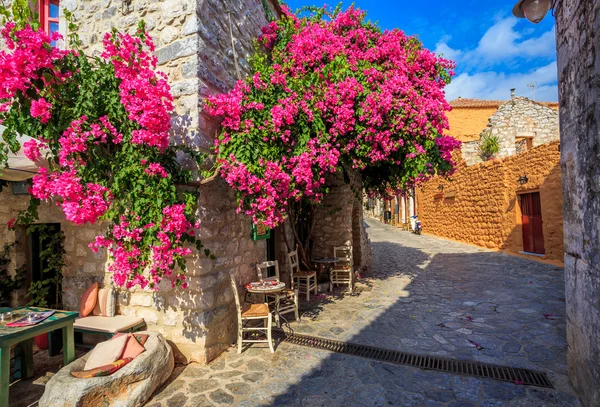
point(340, 220)
point(480, 205)
point(578, 44)
point(194, 48)
point(514, 120)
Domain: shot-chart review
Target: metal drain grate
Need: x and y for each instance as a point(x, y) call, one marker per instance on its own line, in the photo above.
point(504, 373)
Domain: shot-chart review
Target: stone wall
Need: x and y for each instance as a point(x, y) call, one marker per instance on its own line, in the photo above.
point(578, 44)
point(194, 48)
point(520, 117)
point(514, 122)
point(480, 205)
point(340, 220)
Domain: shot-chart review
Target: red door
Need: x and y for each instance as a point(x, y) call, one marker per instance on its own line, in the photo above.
point(533, 235)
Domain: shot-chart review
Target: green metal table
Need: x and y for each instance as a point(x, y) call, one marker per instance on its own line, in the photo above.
point(12, 336)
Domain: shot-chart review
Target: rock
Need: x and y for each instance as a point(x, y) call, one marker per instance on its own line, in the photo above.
point(130, 386)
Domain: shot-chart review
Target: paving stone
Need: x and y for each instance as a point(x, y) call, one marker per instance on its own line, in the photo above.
point(502, 391)
point(253, 377)
point(257, 365)
point(437, 282)
point(202, 385)
point(466, 388)
point(238, 388)
point(221, 397)
point(178, 400)
point(200, 400)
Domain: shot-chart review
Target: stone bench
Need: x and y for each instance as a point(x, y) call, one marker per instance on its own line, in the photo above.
point(130, 386)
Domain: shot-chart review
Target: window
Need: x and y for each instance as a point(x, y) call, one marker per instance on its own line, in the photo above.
point(49, 16)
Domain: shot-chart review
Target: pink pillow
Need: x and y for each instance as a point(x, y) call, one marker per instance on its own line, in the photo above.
point(132, 347)
point(88, 301)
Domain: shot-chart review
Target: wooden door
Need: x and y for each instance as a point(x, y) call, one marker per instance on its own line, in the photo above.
point(531, 211)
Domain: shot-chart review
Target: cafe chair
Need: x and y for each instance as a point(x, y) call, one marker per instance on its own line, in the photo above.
point(306, 281)
point(252, 312)
point(342, 271)
point(285, 301)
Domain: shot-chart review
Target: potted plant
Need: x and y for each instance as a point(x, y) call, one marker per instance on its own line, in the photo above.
point(489, 145)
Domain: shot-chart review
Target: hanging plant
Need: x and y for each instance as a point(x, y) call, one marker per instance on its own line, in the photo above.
point(102, 123)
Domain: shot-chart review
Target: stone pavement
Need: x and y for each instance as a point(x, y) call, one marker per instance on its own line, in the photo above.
point(423, 295)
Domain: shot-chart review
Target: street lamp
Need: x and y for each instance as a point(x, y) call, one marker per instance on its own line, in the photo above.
point(533, 10)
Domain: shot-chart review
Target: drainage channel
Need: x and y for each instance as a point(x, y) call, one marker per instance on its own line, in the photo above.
point(503, 373)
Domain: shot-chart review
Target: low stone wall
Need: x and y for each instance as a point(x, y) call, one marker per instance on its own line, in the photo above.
point(480, 205)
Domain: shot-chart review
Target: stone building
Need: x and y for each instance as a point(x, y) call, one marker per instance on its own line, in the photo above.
point(469, 117)
point(519, 125)
point(578, 45)
point(204, 47)
point(512, 202)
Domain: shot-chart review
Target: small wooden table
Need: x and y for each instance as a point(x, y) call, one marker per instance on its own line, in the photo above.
point(12, 336)
point(325, 265)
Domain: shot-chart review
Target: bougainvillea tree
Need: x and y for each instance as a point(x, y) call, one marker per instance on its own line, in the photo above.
point(331, 91)
point(102, 123)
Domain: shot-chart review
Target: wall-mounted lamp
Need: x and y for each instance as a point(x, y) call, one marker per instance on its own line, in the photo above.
point(533, 10)
point(523, 179)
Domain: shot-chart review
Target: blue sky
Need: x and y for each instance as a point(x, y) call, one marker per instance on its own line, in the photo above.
point(494, 51)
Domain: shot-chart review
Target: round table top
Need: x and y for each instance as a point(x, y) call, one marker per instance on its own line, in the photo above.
point(327, 260)
point(265, 288)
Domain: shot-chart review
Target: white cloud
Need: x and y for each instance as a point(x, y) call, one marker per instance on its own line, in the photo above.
point(501, 43)
point(497, 85)
point(443, 49)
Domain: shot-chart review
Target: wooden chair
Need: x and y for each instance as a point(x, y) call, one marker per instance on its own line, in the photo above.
point(284, 301)
point(252, 312)
point(343, 270)
point(302, 279)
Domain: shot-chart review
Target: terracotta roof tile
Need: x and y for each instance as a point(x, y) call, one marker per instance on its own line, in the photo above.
point(479, 103)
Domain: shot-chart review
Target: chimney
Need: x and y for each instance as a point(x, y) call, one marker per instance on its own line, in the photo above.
point(512, 93)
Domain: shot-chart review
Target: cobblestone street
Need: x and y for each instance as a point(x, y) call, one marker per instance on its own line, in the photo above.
point(423, 295)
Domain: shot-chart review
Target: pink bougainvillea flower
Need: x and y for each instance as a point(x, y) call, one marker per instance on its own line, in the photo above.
point(335, 93)
point(31, 149)
point(41, 109)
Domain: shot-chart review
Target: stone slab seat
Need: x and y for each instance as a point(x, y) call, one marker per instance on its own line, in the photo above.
point(108, 325)
point(130, 386)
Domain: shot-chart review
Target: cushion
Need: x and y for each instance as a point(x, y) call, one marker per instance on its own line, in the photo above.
point(102, 370)
point(106, 352)
point(141, 338)
point(105, 306)
point(132, 347)
point(256, 310)
point(118, 323)
point(88, 300)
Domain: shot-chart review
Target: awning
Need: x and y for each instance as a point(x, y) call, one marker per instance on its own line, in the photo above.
point(20, 168)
